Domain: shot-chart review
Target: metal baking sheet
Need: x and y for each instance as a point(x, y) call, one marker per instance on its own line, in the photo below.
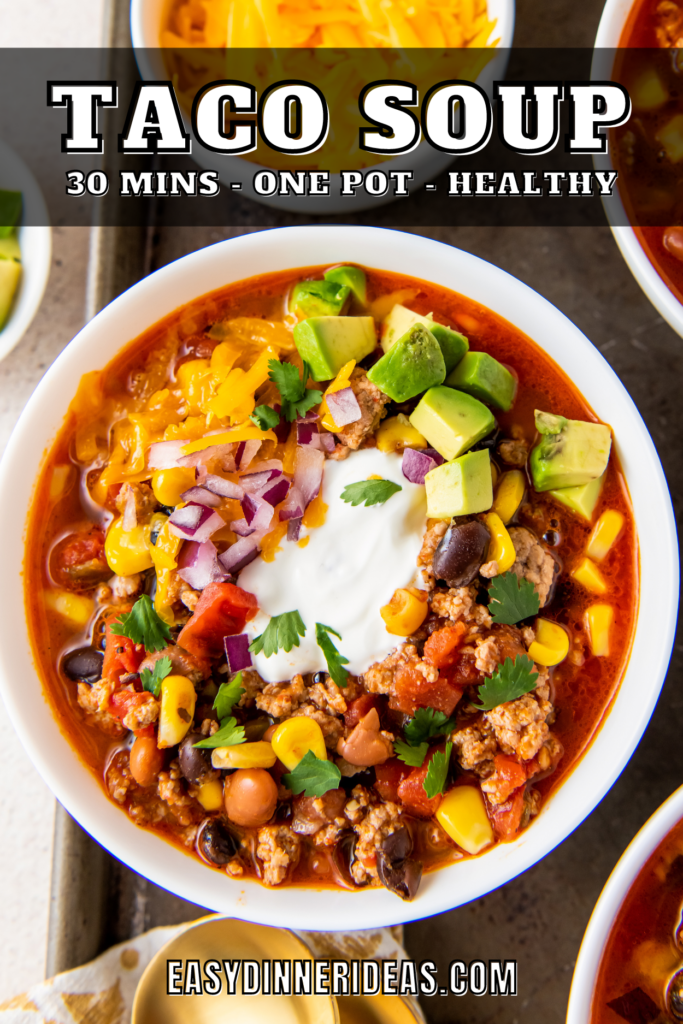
point(539, 918)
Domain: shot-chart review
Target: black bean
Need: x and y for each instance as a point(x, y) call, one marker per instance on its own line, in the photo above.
point(461, 551)
point(398, 845)
point(490, 441)
point(255, 728)
point(344, 853)
point(320, 677)
point(674, 996)
point(402, 877)
point(216, 842)
point(195, 763)
point(363, 777)
point(83, 665)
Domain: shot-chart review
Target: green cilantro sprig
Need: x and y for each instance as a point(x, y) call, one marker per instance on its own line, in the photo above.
point(312, 776)
point(411, 755)
point(229, 735)
point(281, 634)
point(369, 492)
point(142, 625)
point(427, 723)
point(265, 417)
point(437, 772)
point(511, 680)
point(335, 660)
point(296, 398)
point(151, 681)
point(227, 696)
point(512, 599)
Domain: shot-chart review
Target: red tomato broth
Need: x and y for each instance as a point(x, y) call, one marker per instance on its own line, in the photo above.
point(583, 693)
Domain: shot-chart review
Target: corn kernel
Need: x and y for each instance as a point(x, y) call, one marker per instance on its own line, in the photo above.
point(397, 433)
point(406, 611)
point(178, 699)
point(169, 484)
point(164, 597)
point(604, 535)
point(599, 618)
point(551, 645)
point(294, 738)
point(210, 795)
point(244, 755)
point(76, 607)
point(127, 552)
point(501, 548)
point(509, 495)
point(589, 576)
point(648, 92)
point(671, 138)
point(462, 814)
point(340, 382)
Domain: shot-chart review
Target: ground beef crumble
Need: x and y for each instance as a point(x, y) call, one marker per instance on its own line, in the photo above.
point(371, 401)
point(278, 849)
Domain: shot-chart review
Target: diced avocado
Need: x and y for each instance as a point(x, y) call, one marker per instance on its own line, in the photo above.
point(9, 247)
point(581, 499)
point(10, 275)
point(460, 487)
point(453, 345)
point(570, 452)
point(10, 211)
point(327, 342)
point(452, 421)
point(350, 277)
point(481, 375)
point(319, 298)
point(410, 366)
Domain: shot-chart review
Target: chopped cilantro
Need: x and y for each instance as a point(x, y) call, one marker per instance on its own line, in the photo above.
point(369, 492)
point(411, 755)
point(437, 772)
point(152, 680)
point(281, 634)
point(264, 417)
point(229, 735)
point(512, 599)
point(312, 777)
point(427, 723)
point(511, 680)
point(297, 399)
point(142, 625)
point(335, 660)
point(228, 695)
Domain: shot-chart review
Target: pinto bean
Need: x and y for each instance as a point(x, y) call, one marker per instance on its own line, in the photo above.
point(250, 796)
point(146, 760)
point(365, 745)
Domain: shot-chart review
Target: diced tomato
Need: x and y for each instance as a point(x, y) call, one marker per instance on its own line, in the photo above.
point(147, 732)
point(124, 701)
point(506, 818)
point(222, 610)
point(359, 708)
point(121, 655)
point(78, 561)
point(508, 775)
point(440, 648)
point(388, 777)
point(412, 795)
point(463, 672)
point(411, 691)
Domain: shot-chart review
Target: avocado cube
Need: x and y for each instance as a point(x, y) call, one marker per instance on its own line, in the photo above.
point(481, 375)
point(326, 343)
point(410, 366)
point(349, 277)
point(319, 298)
point(461, 487)
point(581, 499)
point(10, 276)
point(453, 345)
point(570, 452)
point(452, 421)
point(10, 211)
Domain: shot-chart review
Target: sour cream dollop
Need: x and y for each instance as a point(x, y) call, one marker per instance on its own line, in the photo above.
point(349, 568)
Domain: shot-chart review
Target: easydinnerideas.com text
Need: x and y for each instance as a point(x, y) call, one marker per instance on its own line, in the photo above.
point(340, 977)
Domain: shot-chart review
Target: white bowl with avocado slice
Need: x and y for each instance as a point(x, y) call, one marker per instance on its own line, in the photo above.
point(25, 253)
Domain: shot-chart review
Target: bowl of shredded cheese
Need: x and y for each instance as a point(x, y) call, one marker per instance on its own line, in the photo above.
point(338, 45)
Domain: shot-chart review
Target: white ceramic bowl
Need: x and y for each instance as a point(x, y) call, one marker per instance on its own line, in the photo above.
point(425, 162)
point(201, 272)
point(35, 239)
point(608, 906)
point(614, 16)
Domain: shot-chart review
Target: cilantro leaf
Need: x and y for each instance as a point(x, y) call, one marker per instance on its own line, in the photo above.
point(437, 772)
point(264, 417)
point(512, 599)
point(151, 681)
point(427, 723)
point(142, 625)
point(228, 695)
point(510, 681)
point(313, 777)
point(335, 660)
point(297, 399)
point(281, 634)
point(229, 735)
point(411, 755)
point(369, 492)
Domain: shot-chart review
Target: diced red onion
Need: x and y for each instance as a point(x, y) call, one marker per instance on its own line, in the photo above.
point(416, 464)
point(311, 417)
point(433, 454)
point(282, 429)
point(253, 483)
point(221, 452)
point(130, 514)
point(242, 528)
point(200, 474)
point(201, 496)
point(277, 491)
point(308, 472)
point(293, 507)
point(344, 407)
point(324, 442)
point(241, 553)
point(198, 564)
point(305, 432)
point(246, 450)
point(237, 652)
point(257, 512)
point(293, 529)
point(225, 488)
point(195, 522)
point(165, 454)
